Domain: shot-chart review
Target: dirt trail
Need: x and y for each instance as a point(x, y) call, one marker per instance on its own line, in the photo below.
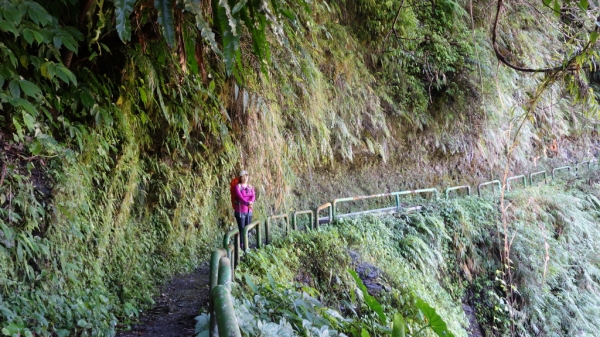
point(173, 314)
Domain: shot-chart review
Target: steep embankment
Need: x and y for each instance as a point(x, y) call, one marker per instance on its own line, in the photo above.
point(123, 122)
point(447, 255)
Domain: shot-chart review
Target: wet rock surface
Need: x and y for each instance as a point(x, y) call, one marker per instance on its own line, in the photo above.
point(474, 328)
point(179, 303)
point(368, 273)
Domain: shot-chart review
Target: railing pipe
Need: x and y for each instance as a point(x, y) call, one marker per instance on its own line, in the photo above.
point(215, 259)
point(258, 235)
point(450, 189)
point(226, 240)
point(268, 225)
point(492, 182)
point(520, 176)
point(225, 272)
point(226, 320)
point(319, 209)
point(311, 215)
point(534, 174)
point(588, 162)
point(562, 168)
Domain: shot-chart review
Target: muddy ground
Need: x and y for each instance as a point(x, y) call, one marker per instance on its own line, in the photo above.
point(176, 307)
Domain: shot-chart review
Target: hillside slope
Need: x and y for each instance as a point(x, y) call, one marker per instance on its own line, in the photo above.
point(123, 122)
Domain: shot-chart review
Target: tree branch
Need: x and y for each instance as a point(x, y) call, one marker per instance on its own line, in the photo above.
point(567, 66)
point(394, 23)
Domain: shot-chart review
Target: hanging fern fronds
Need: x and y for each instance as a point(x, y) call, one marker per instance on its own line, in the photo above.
point(123, 8)
point(165, 20)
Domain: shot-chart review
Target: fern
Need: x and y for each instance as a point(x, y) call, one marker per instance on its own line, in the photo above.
point(123, 9)
point(165, 20)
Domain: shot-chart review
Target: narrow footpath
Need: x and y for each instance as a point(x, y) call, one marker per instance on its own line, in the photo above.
point(176, 307)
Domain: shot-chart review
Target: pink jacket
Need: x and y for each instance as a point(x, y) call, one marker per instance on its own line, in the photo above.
point(244, 197)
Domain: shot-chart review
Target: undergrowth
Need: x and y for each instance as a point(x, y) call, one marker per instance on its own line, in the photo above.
point(447, 255)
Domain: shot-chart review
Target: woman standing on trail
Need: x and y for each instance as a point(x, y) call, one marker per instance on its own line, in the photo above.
point(245, 196)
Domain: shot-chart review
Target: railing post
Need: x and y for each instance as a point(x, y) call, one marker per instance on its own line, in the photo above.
point(226, 319)
point(215, 260)
point(267, 232)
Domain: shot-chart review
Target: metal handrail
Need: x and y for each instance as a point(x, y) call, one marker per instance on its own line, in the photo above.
point(310, 221)
point(456, 188)
point(335, 214)
point(254, 224)
point(520, 176)
point(327, 219)
point(222, 314)
point(562, 168)
point(588, 162)
point(491, 182)
point(236, 247)
point(531, 175)
point(268, 225)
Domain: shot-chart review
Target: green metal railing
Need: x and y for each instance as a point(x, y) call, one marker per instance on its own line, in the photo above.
point(492, 182)
point(588, 162)
point(220, 305)
point(397, 208)
point(235, 233)
point(509, 179)
point(337, 215)
point(558, 169)
point(254, 225)
point(457, 188)
point(311, 216)
point(224, 260)
point(535, 174)
point(268, 225)
point(327, 219)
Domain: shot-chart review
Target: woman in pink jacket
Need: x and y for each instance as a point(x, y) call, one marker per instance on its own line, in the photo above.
point(245, 197)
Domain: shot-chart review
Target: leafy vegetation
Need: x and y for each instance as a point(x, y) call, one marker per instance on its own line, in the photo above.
point(430, 263)
point(122, 121)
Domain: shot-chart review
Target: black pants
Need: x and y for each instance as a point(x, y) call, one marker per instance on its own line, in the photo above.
point(243, 220)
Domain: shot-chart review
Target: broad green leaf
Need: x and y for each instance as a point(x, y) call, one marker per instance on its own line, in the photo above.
point(12, 329)
point(38, 14)
point(57, 40)
point(29, 88)
point(193, 6)
point(584, 4)
point(28, 35)
point(39, 37)
point(123, 9)
point(7, 27)
point(48, 70)
point(230, 40)
point(65, 74)
point(364, 333)
point(15, 89)
point(143, 95)
point(251, 284)
point(369, 300)
point(593, 37)
point(165, 20)
point(238, 6)
point(86, 98)
point(29, 121)
point(13, 15)
point(547, 2)
point(556, 8)
point(433, 319)
point(25, 105)
point(398, 329)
